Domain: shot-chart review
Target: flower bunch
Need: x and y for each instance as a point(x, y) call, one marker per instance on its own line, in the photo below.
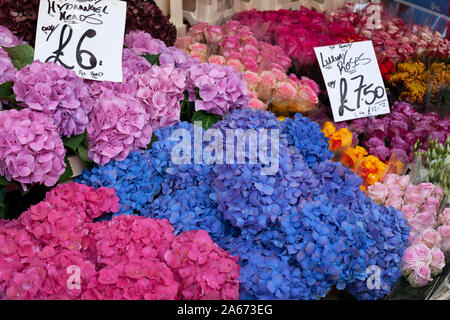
point(118, 125)
point(220, 88)
point(394, 38)
point(128, 257)
point(20, 18)
point(232, 44)
point(397, 132)
point(284, 93)
point(414, 79)
point(433, 165)
point(55, 91)
point(420, 206)
point(297, 32)
point(142, 15)
point(31, 149)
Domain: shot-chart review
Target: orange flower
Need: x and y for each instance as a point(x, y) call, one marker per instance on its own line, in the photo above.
point(340, 140)
point(352, 156)
point(328, 129)
point(371, 170)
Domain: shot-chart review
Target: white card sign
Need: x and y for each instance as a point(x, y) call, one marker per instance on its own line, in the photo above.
point(83, 35)
point(353, 80)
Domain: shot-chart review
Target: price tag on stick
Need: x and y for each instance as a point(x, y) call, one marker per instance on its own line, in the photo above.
point(83, 35)
point(353, 80)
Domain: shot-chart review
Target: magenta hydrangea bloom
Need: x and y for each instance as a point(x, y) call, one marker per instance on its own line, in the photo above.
point(160, 90)
point(129, 257)
point(118, 125)
point(206, 272)
point(7, 38)
point(221, 88)
point(31, 150)
point(54, 90)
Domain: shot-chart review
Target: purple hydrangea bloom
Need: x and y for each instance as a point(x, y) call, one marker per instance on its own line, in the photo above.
point(221, 88)
point(7, 38)
point(31, 150)
point(54, 90)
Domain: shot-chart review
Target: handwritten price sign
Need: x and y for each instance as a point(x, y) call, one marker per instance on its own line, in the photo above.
point(83, 35)
point(353, 80)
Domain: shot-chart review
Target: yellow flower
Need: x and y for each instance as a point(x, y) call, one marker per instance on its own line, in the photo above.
point(328, 129)
point(340, 140)
point(352, 156)
point(281, 118)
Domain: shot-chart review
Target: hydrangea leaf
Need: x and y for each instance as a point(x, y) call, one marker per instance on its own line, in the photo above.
point(21, 56)
point(3, 181)
point(207, 119)
point(6, 91)
point(153, 59)
point(74, 142)
point(68, 173)
point(3, 205)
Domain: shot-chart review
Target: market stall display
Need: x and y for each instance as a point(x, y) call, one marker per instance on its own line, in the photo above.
point(214, 170)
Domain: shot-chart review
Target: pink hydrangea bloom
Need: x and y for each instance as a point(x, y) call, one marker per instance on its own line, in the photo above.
point(143, 43)
point(160, 91)
point(31, 150)
point(7, 70)
point(7, 38)
point(56, 91)
point(117, 126)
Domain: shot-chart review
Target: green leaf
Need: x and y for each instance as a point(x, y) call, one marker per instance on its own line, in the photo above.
point(153, 59)
point(154, 139)
point(74, 141)
point(3, 181)
point(3, 203)
point(206, 119)
point(21, 56)
point(6, 91)
point(82, 151)
point(67, 173)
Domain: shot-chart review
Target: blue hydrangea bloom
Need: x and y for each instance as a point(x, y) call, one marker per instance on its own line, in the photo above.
point(307, 136)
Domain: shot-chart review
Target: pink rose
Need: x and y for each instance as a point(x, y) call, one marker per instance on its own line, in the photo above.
point(423, 253)
point(431, 237)
point(409, 211)
point(377, 192)
point(437, 260)
point(394, 191)
point(396, 203)
point(425, 189)
point(216, 59)
point(404, 182)
point(431, 204)
point(420, 276)
point(445, 234)
point(257, 104)
point(410, 259)
point(391, 179)
point(422, 221)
